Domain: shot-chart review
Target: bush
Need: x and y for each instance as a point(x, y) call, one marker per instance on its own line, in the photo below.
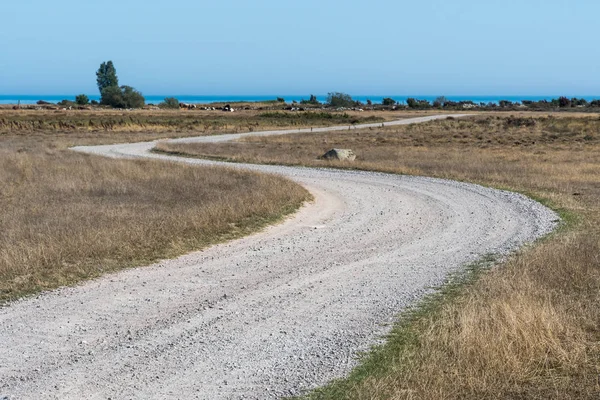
point(336, 99)
point(312, 100)
point(415, 103)
point(440, 101)
point(280, 100)
point(123, 97)
point(94, 103)
point(564, 102)
point(388, 101)
point(170, 102)
point(66, 103)
point(82, 100)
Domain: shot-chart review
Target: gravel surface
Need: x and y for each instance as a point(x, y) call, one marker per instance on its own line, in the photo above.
point(269, 315)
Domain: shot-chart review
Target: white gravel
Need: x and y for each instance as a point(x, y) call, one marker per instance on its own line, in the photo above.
point(270, 315)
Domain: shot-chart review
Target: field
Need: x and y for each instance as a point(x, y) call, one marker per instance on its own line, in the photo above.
point(65, 217)
point(180, 122)
point(527, 329)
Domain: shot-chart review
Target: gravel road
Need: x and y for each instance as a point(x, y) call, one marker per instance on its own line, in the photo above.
point(269, 315)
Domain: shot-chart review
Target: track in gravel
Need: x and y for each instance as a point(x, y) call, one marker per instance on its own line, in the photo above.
point(269, 315)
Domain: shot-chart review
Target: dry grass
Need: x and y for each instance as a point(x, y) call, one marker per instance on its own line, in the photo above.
point(66, 217)
point(530, 329)
point(182, 122)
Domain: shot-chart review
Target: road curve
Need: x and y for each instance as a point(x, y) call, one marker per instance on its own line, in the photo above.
point(269, 315)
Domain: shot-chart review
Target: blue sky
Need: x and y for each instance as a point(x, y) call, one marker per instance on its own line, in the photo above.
point(304, 46)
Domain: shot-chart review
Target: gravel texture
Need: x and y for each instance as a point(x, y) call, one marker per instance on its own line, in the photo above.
point(269, 315)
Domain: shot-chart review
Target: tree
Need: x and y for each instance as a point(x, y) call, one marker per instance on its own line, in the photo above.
point(415, 103)
point(112, 96)
point(106, 76)
point(280, 100)
point(133, 98)
point(82, 100)
point(440, 102)
point(337, 99)
point(564, 102)
point(312, 100)
point(122, 97)
point(169, 102)
point(369, 102)
point(388, 101)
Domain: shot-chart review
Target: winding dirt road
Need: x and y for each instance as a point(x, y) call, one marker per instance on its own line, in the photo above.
point(269, 315)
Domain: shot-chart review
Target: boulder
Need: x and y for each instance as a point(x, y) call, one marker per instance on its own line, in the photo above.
point(339, 154)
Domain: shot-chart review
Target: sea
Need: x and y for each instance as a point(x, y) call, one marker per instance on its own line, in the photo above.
point(204, 99)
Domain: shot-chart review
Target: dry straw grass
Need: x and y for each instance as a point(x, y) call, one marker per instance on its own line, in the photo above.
point(530, 329)
point(178, 122)
point(66, 217)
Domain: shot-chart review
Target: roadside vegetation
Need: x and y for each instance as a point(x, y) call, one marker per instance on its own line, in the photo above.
point(528, 329)
point(175, 122)
point(66, 217)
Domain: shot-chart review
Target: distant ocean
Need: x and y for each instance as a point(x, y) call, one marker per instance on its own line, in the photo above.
point(155, 99)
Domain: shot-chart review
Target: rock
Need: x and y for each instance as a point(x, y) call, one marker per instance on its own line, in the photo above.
point(339, 154)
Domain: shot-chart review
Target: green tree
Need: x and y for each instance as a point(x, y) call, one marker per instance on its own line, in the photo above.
point(112, 96)
point(388, 101)
point(106, 76)
point(122, 97)
point(169, 102)
point(564, 102)
point(133, 98)
point(337, 99)
point(419, 104)
point(441, 101)
point(312, 100)
point(82, 100)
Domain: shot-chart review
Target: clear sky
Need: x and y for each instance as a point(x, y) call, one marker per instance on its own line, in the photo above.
point(478, 47)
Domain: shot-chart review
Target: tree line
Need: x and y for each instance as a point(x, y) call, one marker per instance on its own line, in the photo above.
point(113, 95)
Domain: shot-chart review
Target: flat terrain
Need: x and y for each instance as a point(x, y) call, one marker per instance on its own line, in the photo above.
point(527, 330)
point(271, 314)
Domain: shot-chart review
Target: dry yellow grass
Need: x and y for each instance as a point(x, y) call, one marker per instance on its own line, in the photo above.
point(528, 330)
point(181, 122)
point(66, 217)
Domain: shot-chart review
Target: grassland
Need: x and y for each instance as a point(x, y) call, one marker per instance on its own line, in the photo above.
point(528, 329)
point(178, 122)
point(65, 217)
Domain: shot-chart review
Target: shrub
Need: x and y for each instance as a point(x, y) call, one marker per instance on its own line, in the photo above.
point(280, 100)
point(415, 103)
point(123, 97)
point(170, 102)
point(66, 103)
point(312, 100)
point(82, 100)
point(388, 101)
point(564, 102)
point(441, 101)
point(336, 99)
